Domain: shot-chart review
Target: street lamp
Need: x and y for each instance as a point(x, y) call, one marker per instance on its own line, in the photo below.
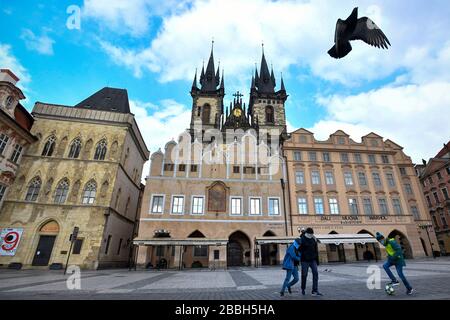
point(425, 226)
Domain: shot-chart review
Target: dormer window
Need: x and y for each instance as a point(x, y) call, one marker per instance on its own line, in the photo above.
point(341, 140)
point(9, 101)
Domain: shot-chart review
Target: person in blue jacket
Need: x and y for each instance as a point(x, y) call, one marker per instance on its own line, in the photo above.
point(290, 264)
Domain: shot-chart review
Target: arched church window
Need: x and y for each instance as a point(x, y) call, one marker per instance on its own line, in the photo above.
point(49, 146)
point(206, 114)
point(89, 192)
point(61, 191)
point(269, 114)
point(75, 148)
point(199, 111)
point(100, 150)
point(33, 189)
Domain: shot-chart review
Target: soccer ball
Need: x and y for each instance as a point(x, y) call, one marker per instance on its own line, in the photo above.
point(389, 289)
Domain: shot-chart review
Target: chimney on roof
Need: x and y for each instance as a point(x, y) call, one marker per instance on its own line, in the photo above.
point(8, 76)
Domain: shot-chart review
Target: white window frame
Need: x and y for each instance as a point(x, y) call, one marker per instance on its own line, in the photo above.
point(250, 206)
point(303, 176)
point(393, 200)
point(4, 142)
point(332, 178)
point(163, 203)
point(350, 206)
point(279, 206)
point(183, 206)
point(192, 205)
point(393, 185)
point(16, 154)
point(348, 174)
point(231, 206)
point(315, 208)
point(2, 196)
point(306, 205)
point(312, 178)
point(297, 158)
point(335, 205)
point(386, 204)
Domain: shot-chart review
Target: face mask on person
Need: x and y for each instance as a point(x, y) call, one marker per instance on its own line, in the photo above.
point(309, 235)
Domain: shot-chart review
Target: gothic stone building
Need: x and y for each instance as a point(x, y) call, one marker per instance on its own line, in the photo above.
point(15, 125)
point(84, 171)
point(220, 187)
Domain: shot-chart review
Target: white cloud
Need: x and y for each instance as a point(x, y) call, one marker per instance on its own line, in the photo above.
point(9, 61)
point(129, 17)
point(42, 44)
point(295, 33)
point(167, 122)
point(414, 116)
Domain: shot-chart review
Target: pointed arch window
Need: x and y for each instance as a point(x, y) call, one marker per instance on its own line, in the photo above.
point(206, 114)
point(89, 192)
point(49, 146)
point(61, 191)
point(100, 150)
point(75, 148)
point(33, 189)
point(269, 115)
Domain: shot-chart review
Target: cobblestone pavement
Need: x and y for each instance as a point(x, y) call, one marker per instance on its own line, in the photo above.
point(430, 278)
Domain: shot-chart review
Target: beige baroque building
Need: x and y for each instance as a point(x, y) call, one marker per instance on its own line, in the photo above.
point(85, 172)
point(340, 186)
point(212, 194)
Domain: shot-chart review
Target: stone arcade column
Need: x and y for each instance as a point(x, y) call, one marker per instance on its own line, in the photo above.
point(176, 258)
point(282, 248)
point(350, 254)
point(323, 256)
point(220, 263)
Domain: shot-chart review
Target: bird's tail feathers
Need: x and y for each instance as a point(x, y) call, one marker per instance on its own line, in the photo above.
point(344, 49)
point(332, 52)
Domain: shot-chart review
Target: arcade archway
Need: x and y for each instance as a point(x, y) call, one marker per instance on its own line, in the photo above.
point(238, 250)
point(269, 251)
point(335, 253)
point(47, 236)
point(404, 243)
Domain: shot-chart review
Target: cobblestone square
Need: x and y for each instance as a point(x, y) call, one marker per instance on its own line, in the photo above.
point(430, 278)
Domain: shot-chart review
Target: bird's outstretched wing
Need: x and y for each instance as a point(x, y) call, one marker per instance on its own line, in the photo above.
point(367, 31)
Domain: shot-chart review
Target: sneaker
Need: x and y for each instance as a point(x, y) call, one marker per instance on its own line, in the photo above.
point(281, 294)
point(316, 294)
point(289, 289)
point(393, 283)
point(410, 291)
point(303, 292)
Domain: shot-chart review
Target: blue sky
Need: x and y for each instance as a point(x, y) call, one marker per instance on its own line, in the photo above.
point(152, 49)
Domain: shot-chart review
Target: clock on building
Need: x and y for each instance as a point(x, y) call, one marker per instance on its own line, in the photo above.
point(237, 112)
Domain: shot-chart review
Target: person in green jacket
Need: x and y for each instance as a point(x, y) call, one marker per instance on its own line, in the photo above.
point(395, 258)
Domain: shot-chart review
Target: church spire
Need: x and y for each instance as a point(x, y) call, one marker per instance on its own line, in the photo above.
point(194, 83)
point(210, 81)
point(265, 84)
point(282, 83)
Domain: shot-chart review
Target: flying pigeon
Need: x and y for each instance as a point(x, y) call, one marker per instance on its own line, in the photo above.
point(356, 29)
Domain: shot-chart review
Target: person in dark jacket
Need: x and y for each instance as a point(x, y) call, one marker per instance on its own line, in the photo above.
point(290, 264)
point(309, 259)
point(395, 258)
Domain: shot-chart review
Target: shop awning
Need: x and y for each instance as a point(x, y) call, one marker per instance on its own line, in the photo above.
point(323, 238)
point(181, 242)
point(346, 238)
